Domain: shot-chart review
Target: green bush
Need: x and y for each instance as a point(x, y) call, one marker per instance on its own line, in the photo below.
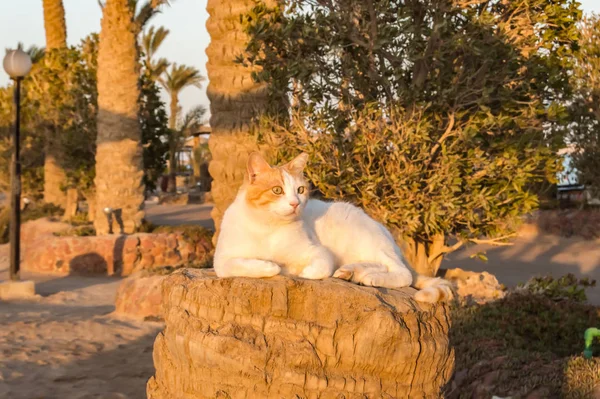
point(533, 338)
point(428, 114)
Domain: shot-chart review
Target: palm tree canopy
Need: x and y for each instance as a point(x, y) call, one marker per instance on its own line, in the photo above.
point(151, 41)
point(180, 77)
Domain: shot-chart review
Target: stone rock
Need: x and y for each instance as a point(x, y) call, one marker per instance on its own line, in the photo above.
point(140, 296)
point(479, 287)
point(295, 338)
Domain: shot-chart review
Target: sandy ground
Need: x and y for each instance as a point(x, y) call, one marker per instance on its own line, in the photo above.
point(66, 344)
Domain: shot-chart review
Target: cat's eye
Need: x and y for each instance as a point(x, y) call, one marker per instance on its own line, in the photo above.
point(301, 190)
point(277, 190)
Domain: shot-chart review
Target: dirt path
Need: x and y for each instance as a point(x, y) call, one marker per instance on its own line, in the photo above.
point(535, 256)
point(68, 345)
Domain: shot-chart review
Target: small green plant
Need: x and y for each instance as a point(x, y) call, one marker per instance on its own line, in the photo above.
point(38, 211)
point(79, 231)
point(565, 287)
point(80, 219)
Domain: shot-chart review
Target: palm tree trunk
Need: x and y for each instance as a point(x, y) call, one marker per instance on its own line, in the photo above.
point(119, 165)
point(172, 186)
point(234, 100)
point(54, 174)
point(54, 24)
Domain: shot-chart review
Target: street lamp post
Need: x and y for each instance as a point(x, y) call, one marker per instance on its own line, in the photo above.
point(17, 64)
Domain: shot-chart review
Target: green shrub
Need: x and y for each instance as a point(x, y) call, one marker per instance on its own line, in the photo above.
point(78, 231)
point(533, 337)
point(565, 287)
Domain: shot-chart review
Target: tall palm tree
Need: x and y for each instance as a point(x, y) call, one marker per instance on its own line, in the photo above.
point(151, 41)
point(119, 165)
point(119, 162)
point(174, 81)
point(234, 101)
point(56, 39)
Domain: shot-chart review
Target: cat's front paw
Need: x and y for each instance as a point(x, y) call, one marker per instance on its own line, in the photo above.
point(374, 280)
point(318, 270)
point(271, 269)
point(344, 273)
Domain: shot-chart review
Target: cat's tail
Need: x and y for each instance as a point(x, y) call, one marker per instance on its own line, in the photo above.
point(432, 289)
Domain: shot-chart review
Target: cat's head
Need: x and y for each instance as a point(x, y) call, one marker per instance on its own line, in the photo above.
point(281, 192)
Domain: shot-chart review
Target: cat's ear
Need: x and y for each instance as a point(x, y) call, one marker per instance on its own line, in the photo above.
point(256, 166)
point(297, 164)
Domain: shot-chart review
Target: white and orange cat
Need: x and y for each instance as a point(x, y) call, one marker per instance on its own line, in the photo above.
point(273, 228)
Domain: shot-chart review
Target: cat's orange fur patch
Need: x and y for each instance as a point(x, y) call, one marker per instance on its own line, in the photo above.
point(260, 192)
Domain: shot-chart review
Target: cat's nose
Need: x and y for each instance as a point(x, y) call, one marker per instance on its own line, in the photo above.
point(294, 204)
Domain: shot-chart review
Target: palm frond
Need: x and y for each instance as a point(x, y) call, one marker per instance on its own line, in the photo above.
point(146, 12)
point(159, 67)
point(192, 119)
point(36, 53)
point(152, 40)
point(180, 77)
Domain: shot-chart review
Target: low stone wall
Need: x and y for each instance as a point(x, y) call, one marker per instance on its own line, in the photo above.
point(295, 338)
point(43, 252)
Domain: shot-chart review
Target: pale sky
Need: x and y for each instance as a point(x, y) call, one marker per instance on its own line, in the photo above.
point(22, 20)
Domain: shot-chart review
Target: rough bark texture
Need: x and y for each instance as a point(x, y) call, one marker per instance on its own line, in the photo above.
point(119, 165)
point(54, 24)
point(54, 174)
point(294, 338)
point(417, 254)
point(56, 38)
point(234, 101)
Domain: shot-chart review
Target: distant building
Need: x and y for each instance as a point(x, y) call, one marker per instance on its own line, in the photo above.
point(569, 190)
